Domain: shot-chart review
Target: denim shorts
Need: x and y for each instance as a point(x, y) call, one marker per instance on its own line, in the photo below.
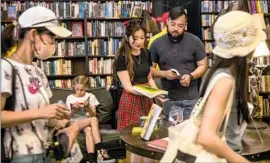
point(187, 105)
point(37, 158)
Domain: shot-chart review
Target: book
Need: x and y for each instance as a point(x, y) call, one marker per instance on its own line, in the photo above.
point(176, 73)
point(160, 144)
point(149, 91)
point(11, 13)
point(150, 122)
point(77, 29)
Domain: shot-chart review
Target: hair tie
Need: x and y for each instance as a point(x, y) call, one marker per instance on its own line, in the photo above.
point(15, 23)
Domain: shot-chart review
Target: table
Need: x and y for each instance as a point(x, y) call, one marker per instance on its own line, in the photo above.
point(253, 149)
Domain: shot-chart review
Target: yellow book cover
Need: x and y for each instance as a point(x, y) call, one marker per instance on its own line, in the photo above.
point(149, 91)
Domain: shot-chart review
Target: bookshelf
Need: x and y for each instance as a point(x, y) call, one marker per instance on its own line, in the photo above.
point(262, 6)
point(209, 11)
point(97, 29)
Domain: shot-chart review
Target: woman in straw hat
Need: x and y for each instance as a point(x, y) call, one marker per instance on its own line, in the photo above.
point(236, 37)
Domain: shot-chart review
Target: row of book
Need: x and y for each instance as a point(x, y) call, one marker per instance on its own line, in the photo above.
point(93, 82)
point(264, 103)
point(207, 34)
point(101, 47)
point(214, 6)
point(208, 19)
point(262, 60)
point(113, 9)
point(96, 47)
point(265, 83)
point(95, 28)
point(65, 48)
point(105, 28)
point(100, 81)
point(60, 83)
point(56, 67)
point(100, 66)
point(258, 6)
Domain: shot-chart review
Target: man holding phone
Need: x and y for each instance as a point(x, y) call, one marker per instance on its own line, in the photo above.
point(183, 52)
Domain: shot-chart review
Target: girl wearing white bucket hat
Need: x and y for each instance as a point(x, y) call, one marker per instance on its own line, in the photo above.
point(25, 92)
point(236, 36)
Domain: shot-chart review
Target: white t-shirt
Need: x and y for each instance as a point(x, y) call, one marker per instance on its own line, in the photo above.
point(71, 99)
point(25, 139)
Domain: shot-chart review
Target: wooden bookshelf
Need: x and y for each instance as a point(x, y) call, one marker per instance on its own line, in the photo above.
point(70, 46)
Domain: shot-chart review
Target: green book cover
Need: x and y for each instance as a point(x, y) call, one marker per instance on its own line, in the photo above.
point(149, 91)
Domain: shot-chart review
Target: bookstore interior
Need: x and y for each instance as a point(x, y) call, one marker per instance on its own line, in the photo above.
point(98, 27)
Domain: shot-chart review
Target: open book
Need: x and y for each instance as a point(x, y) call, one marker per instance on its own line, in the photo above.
point(148, 91)
point(176, 73)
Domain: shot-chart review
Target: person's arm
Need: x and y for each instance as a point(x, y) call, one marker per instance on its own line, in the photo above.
point(126, 82)
point(212, 118)
point(14, 118)
point(155, 59)
point(201, 68)
point(92, 111)
point(151, 81)
point(197, 73)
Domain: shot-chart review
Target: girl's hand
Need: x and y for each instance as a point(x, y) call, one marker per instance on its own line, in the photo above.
point(86, 103)
point(162, 98)
point(57, 111)
point(75, 105)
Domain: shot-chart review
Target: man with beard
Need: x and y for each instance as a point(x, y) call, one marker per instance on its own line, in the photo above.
point(184, 52)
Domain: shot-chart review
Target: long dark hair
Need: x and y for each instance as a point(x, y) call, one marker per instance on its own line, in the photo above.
point(8, 39)
point(240, 72)
point(125, 49)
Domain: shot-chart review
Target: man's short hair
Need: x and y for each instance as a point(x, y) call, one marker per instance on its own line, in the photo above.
point(176, 12)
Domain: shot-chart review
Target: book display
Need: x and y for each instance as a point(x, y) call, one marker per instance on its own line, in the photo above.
point(97, 28)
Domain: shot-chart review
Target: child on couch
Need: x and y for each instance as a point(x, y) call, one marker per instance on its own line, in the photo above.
point(83, 105)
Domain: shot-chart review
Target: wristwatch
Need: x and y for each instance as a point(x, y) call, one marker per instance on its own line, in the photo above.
point(191, 77)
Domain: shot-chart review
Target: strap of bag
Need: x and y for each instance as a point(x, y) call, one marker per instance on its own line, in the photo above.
point(25, 101)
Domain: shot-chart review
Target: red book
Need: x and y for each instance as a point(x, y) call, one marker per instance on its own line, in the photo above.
point(77, 29)
point(160, 144)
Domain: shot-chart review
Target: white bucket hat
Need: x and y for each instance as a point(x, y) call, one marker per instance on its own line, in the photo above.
point(237, 34)
point(39, 16)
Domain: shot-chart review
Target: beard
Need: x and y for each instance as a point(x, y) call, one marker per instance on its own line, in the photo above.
point(174, 39)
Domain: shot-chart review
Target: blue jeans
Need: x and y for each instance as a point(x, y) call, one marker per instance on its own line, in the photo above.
point(187, 105)
point(37, 158)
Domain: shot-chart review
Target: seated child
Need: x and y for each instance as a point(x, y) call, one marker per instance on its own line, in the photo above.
point(83, 105)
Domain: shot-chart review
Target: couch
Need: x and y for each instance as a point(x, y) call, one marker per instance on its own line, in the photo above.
point(107, 116)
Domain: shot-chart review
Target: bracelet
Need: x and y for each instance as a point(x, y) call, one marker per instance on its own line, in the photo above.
point(191, 77)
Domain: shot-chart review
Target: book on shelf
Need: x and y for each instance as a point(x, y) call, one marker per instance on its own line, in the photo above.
point(149, 91)
point(160, 144)
point(150, 122)
point(11, 13)
point(77, 29)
